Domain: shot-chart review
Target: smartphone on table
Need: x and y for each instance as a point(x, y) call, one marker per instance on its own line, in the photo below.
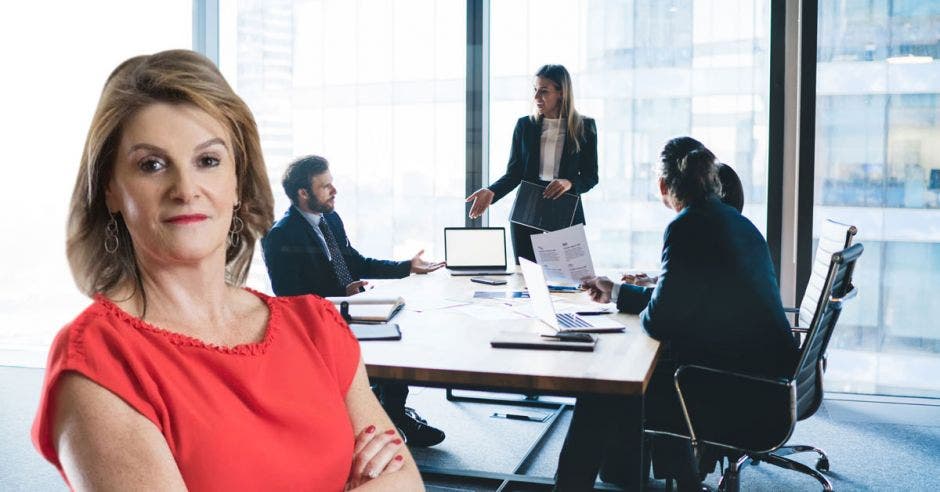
point(488, 281)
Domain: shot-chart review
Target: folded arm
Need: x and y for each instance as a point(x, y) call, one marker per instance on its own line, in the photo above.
point(364, 410)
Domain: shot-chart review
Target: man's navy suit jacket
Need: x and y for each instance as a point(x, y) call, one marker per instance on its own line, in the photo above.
point(297, 263)
point(717, 301)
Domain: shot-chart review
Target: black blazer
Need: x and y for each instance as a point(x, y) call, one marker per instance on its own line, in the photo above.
point(717, 301)
point(297, 263)
point(524, 161)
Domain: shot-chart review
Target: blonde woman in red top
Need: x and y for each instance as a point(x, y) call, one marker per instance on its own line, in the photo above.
point(176, 377)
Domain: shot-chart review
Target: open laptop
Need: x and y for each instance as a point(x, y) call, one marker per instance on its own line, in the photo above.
point(475, 250)
point(544, 310)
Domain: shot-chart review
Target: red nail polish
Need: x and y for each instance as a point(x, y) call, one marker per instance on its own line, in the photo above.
point(370, 429)
point(399, 458)
point(390, 431)
point(396, 441)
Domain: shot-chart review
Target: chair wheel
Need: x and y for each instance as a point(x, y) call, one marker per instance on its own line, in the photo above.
point(822, 464)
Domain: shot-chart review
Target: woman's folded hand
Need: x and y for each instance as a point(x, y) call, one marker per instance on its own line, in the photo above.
point(374, 454)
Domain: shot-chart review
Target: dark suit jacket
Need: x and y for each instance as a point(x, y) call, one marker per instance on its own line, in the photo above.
point(717, 302)
point(297, 263)
point(524, 161)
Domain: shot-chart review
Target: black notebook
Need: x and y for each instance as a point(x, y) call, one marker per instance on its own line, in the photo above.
point(368, 309)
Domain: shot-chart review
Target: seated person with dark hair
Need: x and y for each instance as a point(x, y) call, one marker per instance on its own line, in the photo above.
point(717, 303)
point(732, 193)
point(308, 252)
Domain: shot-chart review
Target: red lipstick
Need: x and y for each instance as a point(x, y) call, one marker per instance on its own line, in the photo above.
point(186, 219)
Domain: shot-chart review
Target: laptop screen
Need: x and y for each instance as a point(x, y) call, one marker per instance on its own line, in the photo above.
point(539, 297)
point(475, 247)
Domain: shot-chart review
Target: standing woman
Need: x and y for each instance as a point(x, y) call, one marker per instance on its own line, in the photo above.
point(555, 147)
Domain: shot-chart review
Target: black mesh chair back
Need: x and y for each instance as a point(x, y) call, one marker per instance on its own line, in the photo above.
point(808, 375)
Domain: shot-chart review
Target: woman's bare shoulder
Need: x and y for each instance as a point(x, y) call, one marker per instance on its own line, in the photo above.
point(102, 441)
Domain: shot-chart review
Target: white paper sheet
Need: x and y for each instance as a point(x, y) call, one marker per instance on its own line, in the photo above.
point(564, 255)
point(430, 304)
point(488, 313)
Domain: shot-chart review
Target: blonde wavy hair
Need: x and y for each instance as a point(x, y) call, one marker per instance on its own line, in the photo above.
point(176, 77)
point(574, 122)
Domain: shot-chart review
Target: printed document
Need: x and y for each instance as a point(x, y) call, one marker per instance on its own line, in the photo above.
point(564, 254)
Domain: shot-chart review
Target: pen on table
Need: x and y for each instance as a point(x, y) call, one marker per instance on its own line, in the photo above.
point(591, 313)
point(513, 416)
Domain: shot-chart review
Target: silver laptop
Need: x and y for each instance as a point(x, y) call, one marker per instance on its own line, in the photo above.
point(475, 250)
point(544, 310)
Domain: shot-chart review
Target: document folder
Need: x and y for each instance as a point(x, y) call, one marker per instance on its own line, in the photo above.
point(532, 210)
point(384, 331)
point(530, 340)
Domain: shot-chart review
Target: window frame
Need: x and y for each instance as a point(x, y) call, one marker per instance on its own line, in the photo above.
point(790, 155)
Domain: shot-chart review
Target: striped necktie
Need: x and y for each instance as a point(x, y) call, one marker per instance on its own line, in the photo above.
point(336, 257)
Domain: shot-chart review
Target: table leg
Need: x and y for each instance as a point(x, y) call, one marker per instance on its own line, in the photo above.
point(644, 461)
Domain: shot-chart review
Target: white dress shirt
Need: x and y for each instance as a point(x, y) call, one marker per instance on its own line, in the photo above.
point(552, 145)
point(314, 220)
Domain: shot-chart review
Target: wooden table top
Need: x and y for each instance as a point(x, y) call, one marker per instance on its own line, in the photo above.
point(450, 346)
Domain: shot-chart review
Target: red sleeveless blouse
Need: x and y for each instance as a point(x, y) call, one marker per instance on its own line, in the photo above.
point(261, 416)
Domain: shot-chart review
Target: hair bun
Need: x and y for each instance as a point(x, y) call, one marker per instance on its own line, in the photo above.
point(696, 162)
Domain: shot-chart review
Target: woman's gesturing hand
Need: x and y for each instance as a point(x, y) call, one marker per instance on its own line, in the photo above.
point(482, 199)
point(375, 453)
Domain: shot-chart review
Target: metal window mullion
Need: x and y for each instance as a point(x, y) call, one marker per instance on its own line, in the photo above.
point(791, 175)
point(775, 139)
point(477, 90)
point(809, 16)
point(206, 28)
point(792, 133)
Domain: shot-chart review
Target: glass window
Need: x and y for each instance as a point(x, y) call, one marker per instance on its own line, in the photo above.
point(878, 167)
point(647, 71)
point(377, 88)
point(55, 67)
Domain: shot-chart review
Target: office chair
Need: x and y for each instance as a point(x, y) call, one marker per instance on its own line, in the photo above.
point(833, 236)
point(754, 429)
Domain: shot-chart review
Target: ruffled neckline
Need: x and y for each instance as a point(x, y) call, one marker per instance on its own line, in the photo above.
point(179, 339)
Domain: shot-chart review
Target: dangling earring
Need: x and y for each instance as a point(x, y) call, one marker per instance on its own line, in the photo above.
point(234, 232)
point(111, 241)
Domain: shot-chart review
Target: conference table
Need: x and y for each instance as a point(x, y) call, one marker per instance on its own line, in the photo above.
point(445, 343)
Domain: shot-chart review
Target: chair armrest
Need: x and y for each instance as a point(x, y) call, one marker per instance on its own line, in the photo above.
point(719, 376)
point(853, 291)
point(736, 410)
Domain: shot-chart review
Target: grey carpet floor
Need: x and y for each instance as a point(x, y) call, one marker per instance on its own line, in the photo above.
point(873, 443)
